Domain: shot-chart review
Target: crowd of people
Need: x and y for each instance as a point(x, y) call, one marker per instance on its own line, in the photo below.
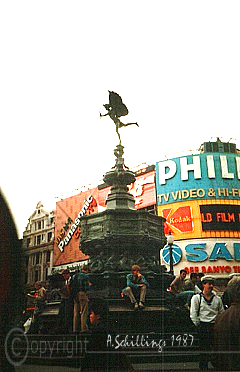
point(72, 292)
point(79, 315)
point(216, 318)
point(74, 295)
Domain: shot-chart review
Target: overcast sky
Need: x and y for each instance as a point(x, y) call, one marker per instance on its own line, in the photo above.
point(176, 65)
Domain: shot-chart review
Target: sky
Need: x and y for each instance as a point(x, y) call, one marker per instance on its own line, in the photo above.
point(176, 65)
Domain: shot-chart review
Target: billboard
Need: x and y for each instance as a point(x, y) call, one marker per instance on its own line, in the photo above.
point(201, 219)
point(143, 191)
point(220, 217)
point(198, 177)
point(199, 195)
point(67, 230)
point(209, 256)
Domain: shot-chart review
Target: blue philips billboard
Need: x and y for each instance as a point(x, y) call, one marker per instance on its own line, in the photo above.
point(198, 177)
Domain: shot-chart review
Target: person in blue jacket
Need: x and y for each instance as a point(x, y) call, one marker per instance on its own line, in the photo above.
point(136, 288)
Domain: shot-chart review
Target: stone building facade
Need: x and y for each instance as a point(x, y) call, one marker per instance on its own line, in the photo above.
point(38, 240)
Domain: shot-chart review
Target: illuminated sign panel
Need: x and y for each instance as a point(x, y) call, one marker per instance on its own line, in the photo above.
point(198, 177)
point(201, 219)
point(220, 217)
point(199, 196)
point(215, 256)
point(180, 218)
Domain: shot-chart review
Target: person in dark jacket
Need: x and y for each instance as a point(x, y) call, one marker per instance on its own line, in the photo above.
point(227, 331)
point(66, 308)
point(190, 283)
point(99, 356)
point(79, 287)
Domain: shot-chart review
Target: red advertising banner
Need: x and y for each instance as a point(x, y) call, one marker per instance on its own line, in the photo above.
point(201, 219)
point(143, 190)
point(67, 230)
point(180, 218)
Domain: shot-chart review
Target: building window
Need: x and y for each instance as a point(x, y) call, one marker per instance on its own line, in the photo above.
point(49, 237)
point(26, 277)
point(37, 258)
point(28, 242)
point(37, 275)
point(38, 239)
point(48, 256)
point(39, 225)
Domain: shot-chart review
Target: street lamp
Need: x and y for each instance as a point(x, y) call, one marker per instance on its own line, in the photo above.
point(170, 241)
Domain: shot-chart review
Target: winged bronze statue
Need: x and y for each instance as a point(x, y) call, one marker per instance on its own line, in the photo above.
point(116, 108)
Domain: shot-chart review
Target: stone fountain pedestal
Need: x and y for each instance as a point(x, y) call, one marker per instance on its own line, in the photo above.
point(121, 236)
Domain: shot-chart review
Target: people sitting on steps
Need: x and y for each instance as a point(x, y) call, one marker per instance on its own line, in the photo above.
point(136, 288)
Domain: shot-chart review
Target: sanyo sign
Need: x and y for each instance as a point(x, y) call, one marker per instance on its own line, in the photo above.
point(203, 176)
point(207, 256)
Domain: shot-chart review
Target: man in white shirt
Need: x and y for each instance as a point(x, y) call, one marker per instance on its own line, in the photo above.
point(205, 307)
